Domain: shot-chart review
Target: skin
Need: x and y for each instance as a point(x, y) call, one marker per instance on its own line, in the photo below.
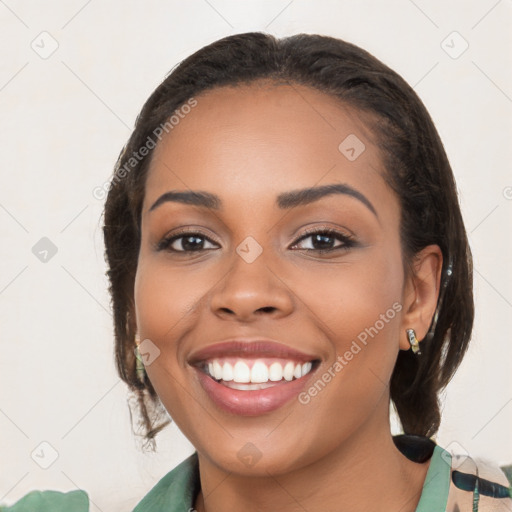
point(247, 145)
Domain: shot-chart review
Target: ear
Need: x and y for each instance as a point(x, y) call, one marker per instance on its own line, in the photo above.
point(421, 291)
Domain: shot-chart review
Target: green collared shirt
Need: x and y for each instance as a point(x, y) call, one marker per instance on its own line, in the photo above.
point(176, 491)
point(452, 484)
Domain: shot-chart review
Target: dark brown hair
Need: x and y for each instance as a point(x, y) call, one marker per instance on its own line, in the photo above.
point(416, 166)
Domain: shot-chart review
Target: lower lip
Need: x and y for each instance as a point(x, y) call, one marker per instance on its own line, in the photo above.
point(251, 403)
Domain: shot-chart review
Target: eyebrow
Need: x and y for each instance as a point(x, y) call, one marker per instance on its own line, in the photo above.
point(284, 201)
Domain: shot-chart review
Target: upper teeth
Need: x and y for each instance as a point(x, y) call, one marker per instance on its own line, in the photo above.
point(260, 371)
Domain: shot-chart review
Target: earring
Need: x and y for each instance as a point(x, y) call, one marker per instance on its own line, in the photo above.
point(415, 344)
point(140, 369)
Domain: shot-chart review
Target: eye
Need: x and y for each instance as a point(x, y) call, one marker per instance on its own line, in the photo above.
point(322, 241)
point(187, 241)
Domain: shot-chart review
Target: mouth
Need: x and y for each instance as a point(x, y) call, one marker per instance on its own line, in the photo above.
point(252, 378)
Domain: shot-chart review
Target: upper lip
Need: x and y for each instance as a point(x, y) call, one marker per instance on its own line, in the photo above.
point(243, 347)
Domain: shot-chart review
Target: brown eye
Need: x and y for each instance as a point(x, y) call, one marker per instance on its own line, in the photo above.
point(322, 241)
point(185, 242)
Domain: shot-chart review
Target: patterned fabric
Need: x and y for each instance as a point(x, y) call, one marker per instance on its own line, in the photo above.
point(466, 484)
point(478, 485)
point(454, 483)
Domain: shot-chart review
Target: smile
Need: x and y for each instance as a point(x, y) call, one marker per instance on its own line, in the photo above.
point(252, 378)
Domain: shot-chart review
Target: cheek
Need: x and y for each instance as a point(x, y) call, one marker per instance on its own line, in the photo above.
point(357, 298)
point(358, 307)
point(165, 305)
point(164, 297)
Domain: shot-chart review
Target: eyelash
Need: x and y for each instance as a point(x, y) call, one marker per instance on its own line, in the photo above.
point(348, 241)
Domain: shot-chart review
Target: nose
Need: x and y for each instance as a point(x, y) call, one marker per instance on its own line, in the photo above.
point(250, 291)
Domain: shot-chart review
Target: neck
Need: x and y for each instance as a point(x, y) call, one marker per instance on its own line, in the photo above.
point(365, 472)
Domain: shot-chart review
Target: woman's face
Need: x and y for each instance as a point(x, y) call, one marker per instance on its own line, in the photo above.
point(246, 266)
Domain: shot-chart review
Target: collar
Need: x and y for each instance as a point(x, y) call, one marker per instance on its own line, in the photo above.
point(177, 490)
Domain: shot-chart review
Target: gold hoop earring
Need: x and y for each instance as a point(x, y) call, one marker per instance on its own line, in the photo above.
point(413, 341)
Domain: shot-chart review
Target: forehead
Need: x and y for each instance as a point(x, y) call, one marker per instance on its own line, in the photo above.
point(247, 140)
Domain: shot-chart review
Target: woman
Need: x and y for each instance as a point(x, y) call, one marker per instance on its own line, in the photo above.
point(287, 258)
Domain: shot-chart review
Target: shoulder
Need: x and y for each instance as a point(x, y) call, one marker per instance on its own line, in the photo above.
point(50, 501)
point(479, 484)
point(176, 491)
point(455, 481)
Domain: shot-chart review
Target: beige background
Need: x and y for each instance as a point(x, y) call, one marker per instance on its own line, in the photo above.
point(64, 118)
